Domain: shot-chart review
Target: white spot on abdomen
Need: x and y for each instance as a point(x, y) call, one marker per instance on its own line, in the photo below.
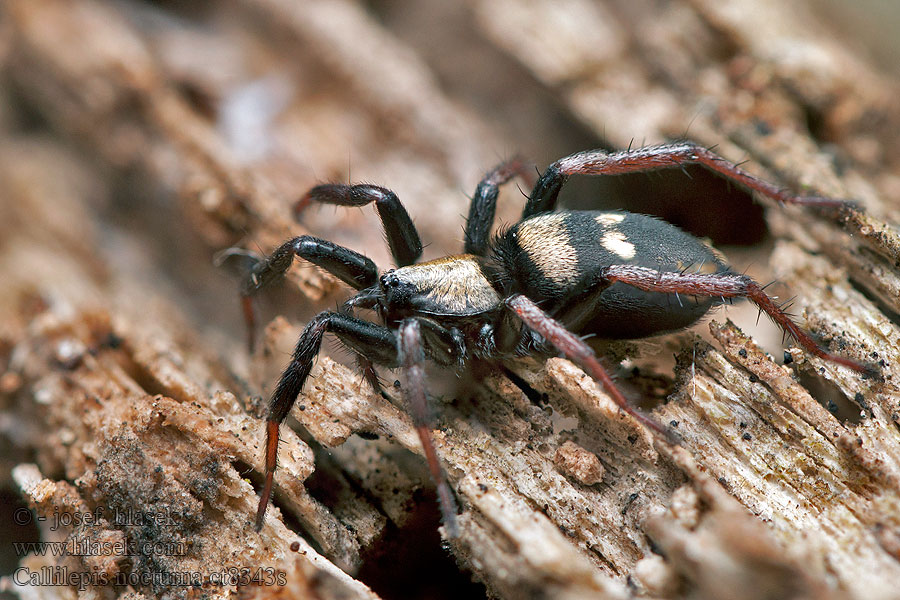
point(615, 242)
point(609, 219)
point(546, 242)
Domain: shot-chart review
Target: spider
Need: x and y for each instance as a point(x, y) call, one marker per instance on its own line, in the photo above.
point(536, 287)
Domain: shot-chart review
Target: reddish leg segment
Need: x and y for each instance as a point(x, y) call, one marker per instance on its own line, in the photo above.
point(574, 348)
point(413, 361)
point(365, 338)
point(725, 286)
point(597, 162)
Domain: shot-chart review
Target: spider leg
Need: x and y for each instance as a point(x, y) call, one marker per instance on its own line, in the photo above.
point(574, 348)
point(444, 346)
point(367, 368)
point(484, 204)
point(412, 353)
point(725, 285)
point(351, 267)
point(402, 237)
point(544, 196)
point(376, 343)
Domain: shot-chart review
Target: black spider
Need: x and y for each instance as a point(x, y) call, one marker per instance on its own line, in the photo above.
point(536, 287)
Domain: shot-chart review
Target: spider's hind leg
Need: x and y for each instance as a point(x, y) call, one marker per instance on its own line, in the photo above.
point(725, 286)
point(544, 196)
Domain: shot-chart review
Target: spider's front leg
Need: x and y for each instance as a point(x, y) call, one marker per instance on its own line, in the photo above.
point(401, 234)
point(376, 343)
point(351, 267)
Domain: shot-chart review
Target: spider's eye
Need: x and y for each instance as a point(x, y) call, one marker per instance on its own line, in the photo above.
point(397, 292)
point(390, 280)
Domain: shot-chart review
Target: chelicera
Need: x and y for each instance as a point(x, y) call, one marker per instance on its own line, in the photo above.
point(537, 287)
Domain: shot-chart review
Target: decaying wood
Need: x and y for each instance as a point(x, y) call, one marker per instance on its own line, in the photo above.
point(126, 390)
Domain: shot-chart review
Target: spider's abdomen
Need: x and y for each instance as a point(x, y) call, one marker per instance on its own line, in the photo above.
point(557, 259)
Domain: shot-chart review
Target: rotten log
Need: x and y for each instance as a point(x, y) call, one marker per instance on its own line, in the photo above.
point(127, 163)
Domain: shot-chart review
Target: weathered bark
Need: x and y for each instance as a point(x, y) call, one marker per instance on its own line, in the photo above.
point(126, 389)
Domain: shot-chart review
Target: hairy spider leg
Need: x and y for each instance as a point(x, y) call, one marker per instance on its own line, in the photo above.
point(484, 203)
point(402, 237)
point(351, 267)
point(367, 368)
point(576, 350)
point(376, 342)
point(412, 355)
point(545, 194)
point(725, 285)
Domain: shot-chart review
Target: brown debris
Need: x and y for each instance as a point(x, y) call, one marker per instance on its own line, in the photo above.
point(579, 464)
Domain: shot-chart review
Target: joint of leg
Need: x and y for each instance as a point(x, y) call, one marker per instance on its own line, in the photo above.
point(304, 242)
point(383, 198)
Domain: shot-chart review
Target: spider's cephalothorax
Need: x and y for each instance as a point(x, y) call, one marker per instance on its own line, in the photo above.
point(536, 287)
